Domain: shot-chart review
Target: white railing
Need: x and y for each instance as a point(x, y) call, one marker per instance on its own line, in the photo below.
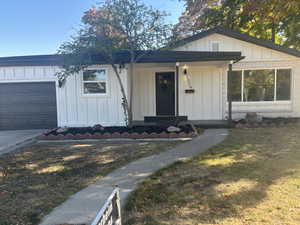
point(110, 214)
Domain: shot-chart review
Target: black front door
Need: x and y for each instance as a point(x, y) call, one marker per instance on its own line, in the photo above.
point(165, 94)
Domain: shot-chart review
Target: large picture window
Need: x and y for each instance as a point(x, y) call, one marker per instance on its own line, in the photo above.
point(261, 85)
point(95, 81)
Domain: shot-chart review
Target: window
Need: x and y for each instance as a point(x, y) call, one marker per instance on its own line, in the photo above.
point(215, 47)
point(261, 85)
point(95, 81)
point(236, 86)
point(283, 87)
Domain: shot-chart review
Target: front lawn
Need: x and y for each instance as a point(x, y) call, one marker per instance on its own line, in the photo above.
point(252, 178)
point(42, 176)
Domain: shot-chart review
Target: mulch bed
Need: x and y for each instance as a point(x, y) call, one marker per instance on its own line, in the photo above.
point(135, 132)
point(267, 122)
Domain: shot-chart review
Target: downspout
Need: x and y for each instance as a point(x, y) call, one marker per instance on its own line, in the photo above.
point(177, 88)
point(229, 95)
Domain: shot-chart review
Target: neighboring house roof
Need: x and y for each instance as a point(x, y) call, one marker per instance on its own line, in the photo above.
point(239, 36)
point(123, 57)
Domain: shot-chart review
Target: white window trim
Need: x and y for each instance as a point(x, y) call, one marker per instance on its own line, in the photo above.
point(264, 103)
point(82, 81)
point(242, 102)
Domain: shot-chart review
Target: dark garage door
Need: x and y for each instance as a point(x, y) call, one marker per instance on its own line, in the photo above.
point(27, 105)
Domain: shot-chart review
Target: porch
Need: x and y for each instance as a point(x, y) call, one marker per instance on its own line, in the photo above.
point(192, 90)
point(183, 90)
point(205, 124)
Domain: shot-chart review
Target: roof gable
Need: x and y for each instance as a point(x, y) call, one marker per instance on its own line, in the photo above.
point(238, 36)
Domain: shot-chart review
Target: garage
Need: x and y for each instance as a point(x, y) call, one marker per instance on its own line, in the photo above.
point(28, 105)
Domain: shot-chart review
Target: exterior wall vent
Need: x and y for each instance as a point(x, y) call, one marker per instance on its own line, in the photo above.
point(215, 46)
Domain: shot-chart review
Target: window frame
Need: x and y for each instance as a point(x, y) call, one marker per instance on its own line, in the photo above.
point(275, 85)
point(106, 94)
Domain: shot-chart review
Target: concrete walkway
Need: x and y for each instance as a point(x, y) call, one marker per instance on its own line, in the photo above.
point(82, 207)
point(12, 139)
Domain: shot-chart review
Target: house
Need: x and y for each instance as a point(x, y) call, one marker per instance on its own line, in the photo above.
point(188, 81)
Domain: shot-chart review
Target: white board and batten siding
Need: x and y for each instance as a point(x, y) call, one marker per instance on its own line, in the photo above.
point(204, 104)
point(251, 51)
point(73, 108)
point(80, 110)
point(257, 57)
point(27, 74)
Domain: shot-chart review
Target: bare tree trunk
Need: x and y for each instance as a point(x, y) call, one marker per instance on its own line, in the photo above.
point(130, 77)
point(127, 111)
point(130, 115)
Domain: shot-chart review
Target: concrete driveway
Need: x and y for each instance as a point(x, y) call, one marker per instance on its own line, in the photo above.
point(12, 139)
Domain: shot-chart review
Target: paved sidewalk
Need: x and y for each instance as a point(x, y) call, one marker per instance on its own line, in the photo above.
point(82, 207)
point(12, 139)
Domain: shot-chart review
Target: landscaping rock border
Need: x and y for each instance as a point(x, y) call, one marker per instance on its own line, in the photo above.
point(117, 135)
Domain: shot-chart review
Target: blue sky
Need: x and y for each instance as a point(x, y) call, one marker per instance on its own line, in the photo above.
point(31, 27)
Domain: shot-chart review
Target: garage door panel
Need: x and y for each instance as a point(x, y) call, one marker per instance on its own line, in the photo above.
point(29, 100)
point(26, 108)
point(28, 105)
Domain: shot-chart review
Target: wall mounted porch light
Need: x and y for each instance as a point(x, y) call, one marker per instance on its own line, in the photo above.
point(187, 78)
point(185, 69)
point(121, 67)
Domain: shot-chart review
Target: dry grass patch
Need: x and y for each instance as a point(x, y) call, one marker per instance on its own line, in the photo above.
point(252, 178)
point(39, 177)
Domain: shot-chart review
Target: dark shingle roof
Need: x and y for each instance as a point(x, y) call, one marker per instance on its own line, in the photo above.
point(239, 36)
point(185, 56)
point(34, 60)
point(123, 57)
